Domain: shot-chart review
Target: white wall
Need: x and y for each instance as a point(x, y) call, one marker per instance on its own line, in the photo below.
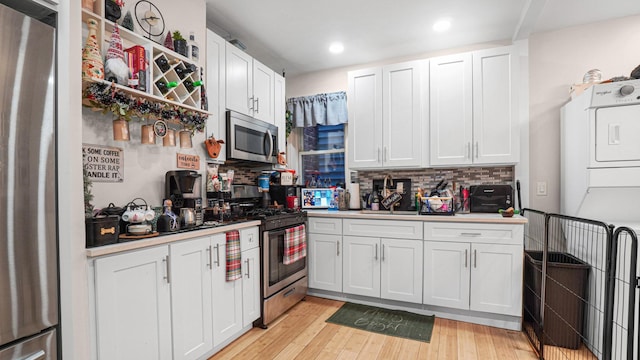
point(559, 59)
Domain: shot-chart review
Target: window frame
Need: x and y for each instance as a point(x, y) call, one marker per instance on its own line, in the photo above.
point(301, 153)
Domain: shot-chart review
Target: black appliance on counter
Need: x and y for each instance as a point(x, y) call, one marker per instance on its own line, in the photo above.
point(407, 202)
point(183, 188)
point(279, 193)
point(490, 198)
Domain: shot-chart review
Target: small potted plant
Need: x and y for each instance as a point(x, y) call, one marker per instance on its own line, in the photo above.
point(179, 43)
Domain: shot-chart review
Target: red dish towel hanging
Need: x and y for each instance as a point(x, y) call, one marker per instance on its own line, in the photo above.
point(234, 269)
point(295, 244)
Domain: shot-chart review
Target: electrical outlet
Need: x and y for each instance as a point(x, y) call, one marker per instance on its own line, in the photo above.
point(541, 188)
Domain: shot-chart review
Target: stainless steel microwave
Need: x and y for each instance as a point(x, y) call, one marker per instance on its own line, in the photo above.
point(251, 139)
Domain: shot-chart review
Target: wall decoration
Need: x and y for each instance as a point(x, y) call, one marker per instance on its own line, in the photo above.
point(105, 97)
point(187, 161)
point(103, 163)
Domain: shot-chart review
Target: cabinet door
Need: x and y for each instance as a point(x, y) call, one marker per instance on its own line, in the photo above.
point(250, 286)
point(279, 110)
point(227, 296)
point(401, 270)
point(191, 302)
point(361, 266)
point(401, 126)
point(215, 87)
point(239, 85)
point(495, 106)
point(325, 262)
point(451, 122)
point(133, 305)
point(262, 92)
point(496, 278)
point(364, 100)
point(446, 274)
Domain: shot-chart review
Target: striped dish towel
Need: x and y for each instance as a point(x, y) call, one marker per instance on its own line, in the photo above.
point(295, 244)
point(234, 269)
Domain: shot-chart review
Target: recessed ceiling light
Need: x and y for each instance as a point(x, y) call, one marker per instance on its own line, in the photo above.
point(442, 25)
point(336, 48)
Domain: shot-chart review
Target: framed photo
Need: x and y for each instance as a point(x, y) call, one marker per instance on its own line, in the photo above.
point(160, 128)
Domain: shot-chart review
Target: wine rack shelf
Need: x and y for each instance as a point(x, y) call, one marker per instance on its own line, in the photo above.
point(179, 75)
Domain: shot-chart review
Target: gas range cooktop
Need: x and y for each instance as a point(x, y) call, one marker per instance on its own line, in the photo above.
point(278, 218)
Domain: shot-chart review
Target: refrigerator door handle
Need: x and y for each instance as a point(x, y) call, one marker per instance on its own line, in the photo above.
point(35, 356)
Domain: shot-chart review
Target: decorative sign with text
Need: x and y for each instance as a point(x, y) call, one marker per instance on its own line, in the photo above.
point(390, 200)
point(103, 163)
point(186, 161)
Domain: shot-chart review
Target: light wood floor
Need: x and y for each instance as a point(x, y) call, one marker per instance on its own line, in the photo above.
point(302, 333)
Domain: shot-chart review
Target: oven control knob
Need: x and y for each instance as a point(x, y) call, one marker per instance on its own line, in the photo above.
point(627, 90)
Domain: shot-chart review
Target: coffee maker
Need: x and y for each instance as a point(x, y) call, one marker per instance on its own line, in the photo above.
point(183, 188)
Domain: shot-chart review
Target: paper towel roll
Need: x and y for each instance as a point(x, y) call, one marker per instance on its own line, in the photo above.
point(354, 190)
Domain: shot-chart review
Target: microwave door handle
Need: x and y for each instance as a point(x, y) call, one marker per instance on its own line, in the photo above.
point(268, 155)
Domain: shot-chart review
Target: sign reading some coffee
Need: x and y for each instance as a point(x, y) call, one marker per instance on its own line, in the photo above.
point(103, 163)
point(186, 161)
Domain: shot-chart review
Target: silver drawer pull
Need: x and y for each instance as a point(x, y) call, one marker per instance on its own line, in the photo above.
point(475, 258)
point(338, 248)
point(36, 356)
point(465, 257)
point(376, 257)
point(470, 234)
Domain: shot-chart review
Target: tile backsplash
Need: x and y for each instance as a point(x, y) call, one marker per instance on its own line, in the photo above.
point(423, 178)
point(429, 178)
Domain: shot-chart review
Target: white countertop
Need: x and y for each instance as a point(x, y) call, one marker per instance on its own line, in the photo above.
point(380, 215)
point(164, 239)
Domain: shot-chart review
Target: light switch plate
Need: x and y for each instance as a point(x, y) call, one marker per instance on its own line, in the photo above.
point(541, 188)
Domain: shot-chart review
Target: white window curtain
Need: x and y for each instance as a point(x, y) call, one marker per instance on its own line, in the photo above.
point(320, 109)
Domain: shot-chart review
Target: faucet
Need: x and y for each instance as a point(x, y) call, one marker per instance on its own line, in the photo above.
point(384, 189)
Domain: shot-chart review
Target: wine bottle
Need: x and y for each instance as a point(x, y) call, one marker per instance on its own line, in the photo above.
point(183, 72)
point(163, 64)
point(190, 85)
point(164, 87)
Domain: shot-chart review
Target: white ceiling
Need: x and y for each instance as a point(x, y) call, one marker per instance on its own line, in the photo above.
point(294, 35)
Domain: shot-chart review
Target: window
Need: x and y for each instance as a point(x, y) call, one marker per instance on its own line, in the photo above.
point(322, 156)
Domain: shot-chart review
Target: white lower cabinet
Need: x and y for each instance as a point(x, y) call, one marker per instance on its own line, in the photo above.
point(227, 295)
point(133, 305)
point(325, 262)
point(191, 300)
point(173, 301)
point(474, 267)
point(361, 266)
point(250, 286)
point(381, 267)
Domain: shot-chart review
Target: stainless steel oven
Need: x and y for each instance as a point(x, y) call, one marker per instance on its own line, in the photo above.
point(251, 139)
point(282, 285)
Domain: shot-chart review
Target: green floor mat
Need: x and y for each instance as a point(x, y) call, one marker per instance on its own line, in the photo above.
point(383, 321)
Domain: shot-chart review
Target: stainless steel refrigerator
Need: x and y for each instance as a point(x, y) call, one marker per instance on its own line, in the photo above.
point(28, 228)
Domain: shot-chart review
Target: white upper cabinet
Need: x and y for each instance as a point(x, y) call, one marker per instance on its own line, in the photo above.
point(495, 106)
point(239, 83)
point(473, 108)
point(401, 145)
point(451, 110)
point(249, 85)
point(216, 79)
point(364, 103)
point(385, 116)
point(263, 89)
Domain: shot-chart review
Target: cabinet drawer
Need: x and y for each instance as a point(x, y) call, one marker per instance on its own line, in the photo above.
point(322, 225)
point(474, 233)
point(249, 238)
point(383, 228)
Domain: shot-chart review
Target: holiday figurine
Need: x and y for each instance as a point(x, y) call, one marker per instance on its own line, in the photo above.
point(116, 70)
point(92, 67)
point(127, 22)
point(168, 41)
